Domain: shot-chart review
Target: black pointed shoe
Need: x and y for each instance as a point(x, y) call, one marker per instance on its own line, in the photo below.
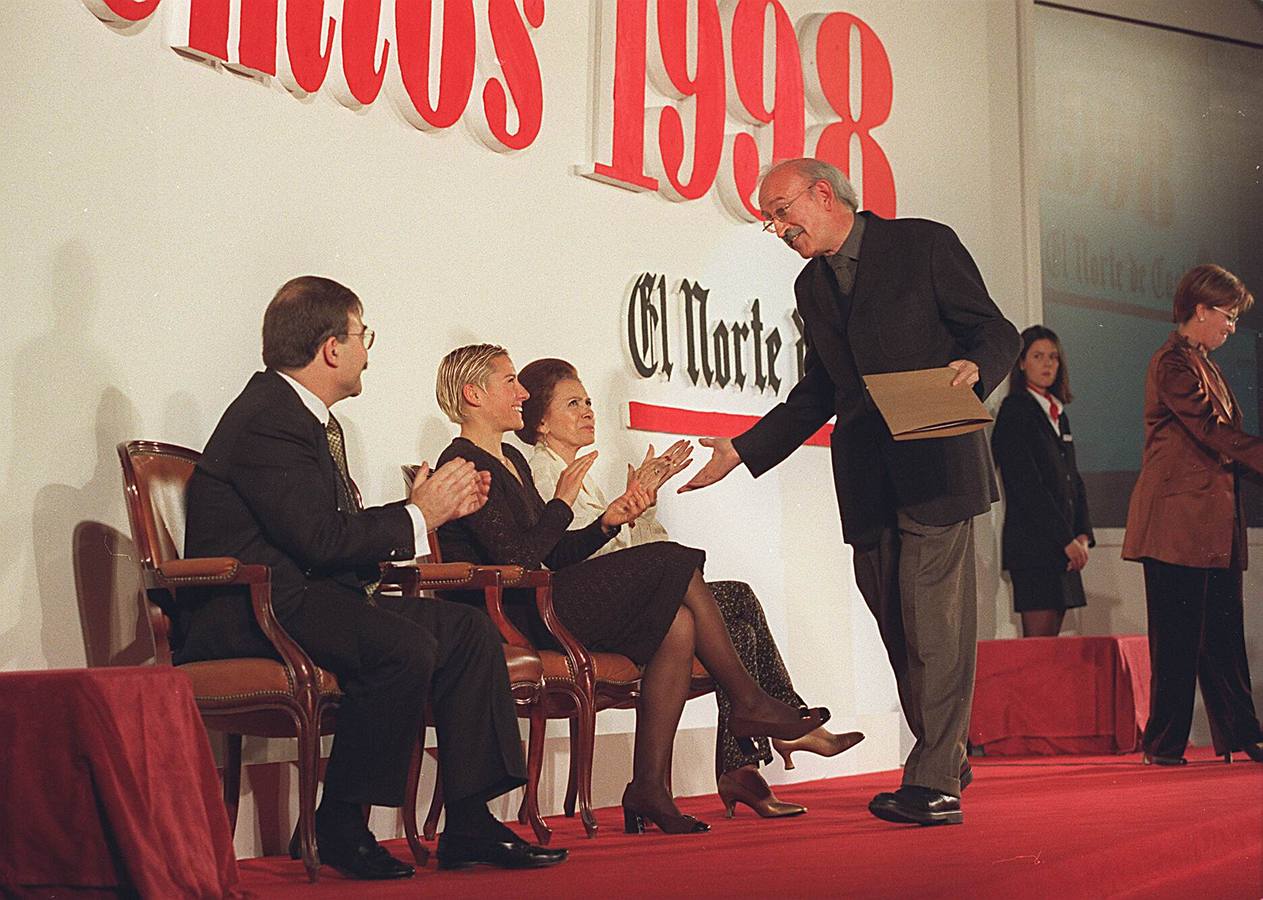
point(912, 804)
point(366, 859)
point(458, 851)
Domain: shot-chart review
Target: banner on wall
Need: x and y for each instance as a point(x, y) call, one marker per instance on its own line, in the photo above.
point(692, 98)
point(653, 111)
point(682, 341)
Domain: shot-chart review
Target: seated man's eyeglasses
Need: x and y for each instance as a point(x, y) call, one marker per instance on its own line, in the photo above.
point(366, 335)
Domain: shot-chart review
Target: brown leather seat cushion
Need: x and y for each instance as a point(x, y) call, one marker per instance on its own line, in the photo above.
point(225, 679)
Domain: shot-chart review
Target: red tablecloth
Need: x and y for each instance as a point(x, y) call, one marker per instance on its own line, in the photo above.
point(1060, 695)
point(107, 781)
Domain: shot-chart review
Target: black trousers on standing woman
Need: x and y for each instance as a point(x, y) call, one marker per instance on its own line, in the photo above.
point(1197, 634)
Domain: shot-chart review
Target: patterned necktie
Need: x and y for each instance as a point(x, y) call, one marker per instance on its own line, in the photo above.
point(347, 498)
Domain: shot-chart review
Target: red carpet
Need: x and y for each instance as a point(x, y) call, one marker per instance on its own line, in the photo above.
point(1086, 826)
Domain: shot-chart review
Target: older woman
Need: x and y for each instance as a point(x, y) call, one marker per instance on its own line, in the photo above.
point(648, 603)
point(1186, 524)
point(1046, 528)
point(559, 422)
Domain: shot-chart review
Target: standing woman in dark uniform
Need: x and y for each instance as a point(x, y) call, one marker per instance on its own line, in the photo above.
point(1046, 528)
point(1186, 524)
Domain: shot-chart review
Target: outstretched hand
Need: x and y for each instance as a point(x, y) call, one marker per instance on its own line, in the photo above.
point(723, 459)
point(454, 490)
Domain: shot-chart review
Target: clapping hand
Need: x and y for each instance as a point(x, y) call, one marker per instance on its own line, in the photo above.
point(454, 490)
point(627, 508)
point(571, 479)
point(655, 471)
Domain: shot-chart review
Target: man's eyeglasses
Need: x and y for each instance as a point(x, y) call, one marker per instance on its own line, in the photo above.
point(779, 214)
point(366, 335)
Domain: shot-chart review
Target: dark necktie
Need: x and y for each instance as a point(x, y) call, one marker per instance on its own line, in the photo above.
point(347, 498)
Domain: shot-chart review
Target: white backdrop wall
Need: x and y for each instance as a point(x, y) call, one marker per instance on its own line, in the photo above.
point(153, 204)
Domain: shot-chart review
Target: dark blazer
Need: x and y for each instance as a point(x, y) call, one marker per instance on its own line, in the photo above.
point(1045, 504)
point(265, 491)
point(1186, 507)
point(918, 302)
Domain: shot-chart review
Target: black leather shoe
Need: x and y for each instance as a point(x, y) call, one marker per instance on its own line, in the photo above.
point(917, 805)
point(365, 859)
point(1152, 759)
point(966, 776)
point(458, 851)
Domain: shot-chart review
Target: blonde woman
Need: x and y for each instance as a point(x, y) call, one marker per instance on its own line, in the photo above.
point(648, 603)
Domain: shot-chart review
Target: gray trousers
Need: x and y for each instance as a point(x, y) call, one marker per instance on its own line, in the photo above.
point(920, 585)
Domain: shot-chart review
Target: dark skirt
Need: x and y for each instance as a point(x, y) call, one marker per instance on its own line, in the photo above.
point(1040, 589)
point(622, 602)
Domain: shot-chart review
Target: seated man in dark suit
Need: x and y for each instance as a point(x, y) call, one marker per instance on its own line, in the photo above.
point(272, 488)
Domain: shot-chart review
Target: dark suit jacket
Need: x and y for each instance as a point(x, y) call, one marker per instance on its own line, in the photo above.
point(1045, 504)
point(265, 491)
point(1186, 506)
point(918, 302)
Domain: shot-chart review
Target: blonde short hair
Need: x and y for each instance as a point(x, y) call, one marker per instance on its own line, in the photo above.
point(464, 365)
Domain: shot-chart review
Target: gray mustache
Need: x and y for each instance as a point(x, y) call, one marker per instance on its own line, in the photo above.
point(788, 236)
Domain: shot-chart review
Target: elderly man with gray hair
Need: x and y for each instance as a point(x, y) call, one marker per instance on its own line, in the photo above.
point(888, 295)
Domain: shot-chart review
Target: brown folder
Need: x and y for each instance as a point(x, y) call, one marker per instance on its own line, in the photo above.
point(923, 404)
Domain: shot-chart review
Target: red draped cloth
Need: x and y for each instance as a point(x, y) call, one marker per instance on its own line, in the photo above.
point(1048, 696)
point(107, 782)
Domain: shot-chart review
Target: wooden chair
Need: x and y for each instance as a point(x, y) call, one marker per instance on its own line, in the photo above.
point(291, 697)
point(608, 681)
point(526, 673)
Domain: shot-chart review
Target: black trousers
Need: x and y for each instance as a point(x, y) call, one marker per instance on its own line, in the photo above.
point(390, 659)
point(1197, 634)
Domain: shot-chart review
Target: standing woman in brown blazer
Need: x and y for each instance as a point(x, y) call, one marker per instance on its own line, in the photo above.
point(1186, 524)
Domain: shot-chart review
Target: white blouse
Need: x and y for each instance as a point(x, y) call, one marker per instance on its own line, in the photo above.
point(546, 469)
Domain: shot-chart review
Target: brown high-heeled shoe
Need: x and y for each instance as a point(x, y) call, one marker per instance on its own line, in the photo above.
point(746, 785)
point(743, 728)
point(819, 741)
point(636, 810)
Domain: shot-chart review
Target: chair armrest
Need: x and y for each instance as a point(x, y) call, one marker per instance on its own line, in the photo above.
point(205, 571)
point(295, 659)
point(577, 655)
point(225, 570)
point(410, 577)
point(417, 577)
